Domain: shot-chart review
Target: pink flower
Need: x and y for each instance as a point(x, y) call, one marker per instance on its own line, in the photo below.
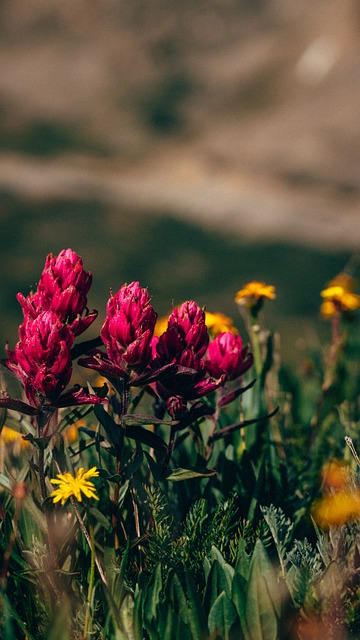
point(226, 356)
point(186, 332)
point(42, 358)
point(62, 288)
point(184, 342)
point(128, 328)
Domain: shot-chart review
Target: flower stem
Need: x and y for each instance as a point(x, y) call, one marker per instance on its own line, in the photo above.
point(87, 538)
point(42, 418)
point(91, 582)
point(124, 394)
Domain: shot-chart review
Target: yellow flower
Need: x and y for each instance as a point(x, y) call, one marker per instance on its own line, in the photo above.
point(74, 486)
point(215, 322)
point(219, 323)
point(339, 296)
point(334, 509)
point(161, 325)
point(253, 292)
point(10, 436)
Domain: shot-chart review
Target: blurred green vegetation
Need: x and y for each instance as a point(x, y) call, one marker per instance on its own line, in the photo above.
point(176, 260)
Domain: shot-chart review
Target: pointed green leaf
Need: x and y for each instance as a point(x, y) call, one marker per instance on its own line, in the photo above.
point(113, 431)
point(222, 616)
point(100, 518)
point(151, 597)
point(242, 565)
point(263, 604)
point(239, 597)
point(179, 474)
point(197, 619)
point(145, 436)
point(227, 569)
point(5, 482)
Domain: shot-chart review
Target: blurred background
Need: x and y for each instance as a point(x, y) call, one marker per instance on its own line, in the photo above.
point(192, 145)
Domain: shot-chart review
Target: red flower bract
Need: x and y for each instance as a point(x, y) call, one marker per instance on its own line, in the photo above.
point(62, 288)
point(186, 338)
point(226, 355)
point(42, 359)
point(129, 327)
point(184, 342)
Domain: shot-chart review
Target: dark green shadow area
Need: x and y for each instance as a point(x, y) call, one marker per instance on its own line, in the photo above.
point(174, 259)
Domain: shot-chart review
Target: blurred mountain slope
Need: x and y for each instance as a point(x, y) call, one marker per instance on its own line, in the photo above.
point(238, 114)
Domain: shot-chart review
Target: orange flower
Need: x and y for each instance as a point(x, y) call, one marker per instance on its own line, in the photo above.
point(335, 475)
point(253, 292)
point(339, 296)
point(335, 509)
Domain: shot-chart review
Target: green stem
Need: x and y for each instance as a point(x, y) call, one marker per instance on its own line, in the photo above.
point(91, 582)
point(124, 394)
point(87, 538)
point(42, 418)
point(255, 334)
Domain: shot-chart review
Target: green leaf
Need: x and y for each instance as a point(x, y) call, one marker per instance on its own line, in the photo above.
point(176, 475)
point(9, 614)
point(126, 614)
point(140, 419)
point(217, 583)
point(100, 518)
point(263, 603)
point(59, 627)
point(113, 431)
point(239, 597)
point(39, 443)
point(222, 616)
point(151, 597)
point(147, 437)
point(34, 517)
point(197, 619)
point(5, 482)
point(227, 569)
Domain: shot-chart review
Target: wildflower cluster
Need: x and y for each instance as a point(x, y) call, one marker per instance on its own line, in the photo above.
point(53, 316)
point(198, 455)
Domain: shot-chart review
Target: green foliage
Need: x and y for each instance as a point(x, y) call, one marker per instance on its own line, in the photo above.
point(204, 530)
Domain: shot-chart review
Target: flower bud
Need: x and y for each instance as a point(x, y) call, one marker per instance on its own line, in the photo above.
point(63, 288)
point(42, 359)
point(186, 338)
point(129, 327)
point(226, 355)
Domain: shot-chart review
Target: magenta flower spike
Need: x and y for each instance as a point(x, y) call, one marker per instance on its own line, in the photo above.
point(128, 329)
point(226, 356)
point(184, 342)
point(41, 359)
point(62, 288)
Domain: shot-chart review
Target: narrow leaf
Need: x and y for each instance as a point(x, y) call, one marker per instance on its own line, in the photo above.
point(180, 474)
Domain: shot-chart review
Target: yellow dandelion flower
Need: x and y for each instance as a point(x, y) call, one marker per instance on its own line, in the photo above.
point(74, 486)
point(219, 323)
point(335, 509)
point(253, 292)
